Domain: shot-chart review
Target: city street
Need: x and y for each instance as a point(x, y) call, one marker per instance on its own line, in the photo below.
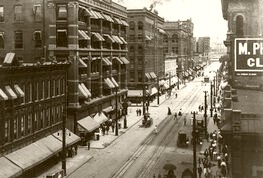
point(139, 151)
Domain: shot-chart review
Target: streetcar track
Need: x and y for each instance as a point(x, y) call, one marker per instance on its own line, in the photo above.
point(160, 149)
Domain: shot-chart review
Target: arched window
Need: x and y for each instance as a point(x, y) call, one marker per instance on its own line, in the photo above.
point(131, 49)
point(132, 25)
point(140, 50)
point(175, 38)
point(239, 26)
point(165, 38)
point(140, 25)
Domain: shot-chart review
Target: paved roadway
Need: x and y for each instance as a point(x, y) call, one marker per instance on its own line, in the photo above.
point(141, 153)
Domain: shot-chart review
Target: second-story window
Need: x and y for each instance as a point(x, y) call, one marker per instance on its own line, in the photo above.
point(2, 42)
point(140, 25)
point(2, 14)
point(38, 39)
point(62, 38)
point(18, 13)
point(132, 25)
point(18, 39)
point(37, 12)
point(62, 12)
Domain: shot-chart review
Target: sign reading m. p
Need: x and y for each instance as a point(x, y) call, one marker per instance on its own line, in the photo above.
point(249, 54)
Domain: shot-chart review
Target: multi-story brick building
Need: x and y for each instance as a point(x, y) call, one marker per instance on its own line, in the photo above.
point(145, 43)
point(88, 35)
point(179, 43)
point(242, 113)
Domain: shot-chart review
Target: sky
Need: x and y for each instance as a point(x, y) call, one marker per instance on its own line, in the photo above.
point(205, 14)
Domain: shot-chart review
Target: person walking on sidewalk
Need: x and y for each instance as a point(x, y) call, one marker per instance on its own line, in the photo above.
point(199, 169)
point(175, 116)
point(155, 129)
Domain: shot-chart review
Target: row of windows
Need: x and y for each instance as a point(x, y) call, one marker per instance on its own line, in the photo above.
point(18, 13)
point(26, 124)
point(18, 39)
point(139, 25)
point(174, 50)
point(43, 90)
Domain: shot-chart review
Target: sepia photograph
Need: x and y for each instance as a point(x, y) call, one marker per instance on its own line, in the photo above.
point(131, 88)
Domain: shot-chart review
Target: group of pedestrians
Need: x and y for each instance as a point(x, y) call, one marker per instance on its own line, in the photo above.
point(138, 112)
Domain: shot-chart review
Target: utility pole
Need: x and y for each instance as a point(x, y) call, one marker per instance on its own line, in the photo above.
point(64, 166)
point(194, 147)
point(211, 99)
point(205, 115)
point(116, 107)
point(214, 102)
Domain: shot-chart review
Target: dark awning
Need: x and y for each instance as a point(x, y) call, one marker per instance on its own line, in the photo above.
point(87, 124)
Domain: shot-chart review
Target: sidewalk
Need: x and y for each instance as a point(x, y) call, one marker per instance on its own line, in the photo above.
point(84, 155)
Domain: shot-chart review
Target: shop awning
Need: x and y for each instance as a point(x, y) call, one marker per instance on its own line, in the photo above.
point(123, 40)
point(98, 36)
point(108, 109)
point(82, 92)
point(106, 61)
point(29, 156)
point(109, 83)
point(88, 124)
point(117, 20)
point(10, 93)
point(19, 91)
point(153, 75)
point(154, 91)
point(118, 59)
point(3, 96)
point(125, 60)
point(161, 31)
point(109, 38)
point(9, 58)
point(86, 11)
point(71, 138)
point(117, 39)
point(108, 18)
point(96, 15)
point(147, 37)
point(82, 63)
point(83, 35)
point(114, 82)
point(136, 93)
point(85, 89)
point(51, 143)
point(100, 118)
point(93, 15)
point(124, 23)
point(148, 76)
point(9, 169)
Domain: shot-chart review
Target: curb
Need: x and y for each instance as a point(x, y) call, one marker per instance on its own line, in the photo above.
point(79, 166)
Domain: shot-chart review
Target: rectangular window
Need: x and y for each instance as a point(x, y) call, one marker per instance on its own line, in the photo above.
point(62, 38)
point(18, 39)
point(54, 88)
point(22, 125)
point(1, 13)
point(48, 89)
point(2, 42)
point(15, 128)
point(18, 13)
point(62, 12)
point(38, 39)
point(37, 12)
point(7, 131)
point(29, 123)
point(30, 92)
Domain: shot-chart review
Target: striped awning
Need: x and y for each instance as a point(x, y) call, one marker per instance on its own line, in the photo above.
point(118, 59)
point(106, 61)
point(125, 60)
point(83, 35)
point(98, 36)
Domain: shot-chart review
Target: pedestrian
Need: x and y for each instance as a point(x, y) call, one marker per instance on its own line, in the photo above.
point(112, 126)
point(175, 115)
point(199, 169)
point(169, 111)
point(107, 129)
point(175, 95)
point(140, 112)
point(155, 129)
point(103, 130)
point(137, 112)
point(88, 144)
point(180, 112)
point(184, 120)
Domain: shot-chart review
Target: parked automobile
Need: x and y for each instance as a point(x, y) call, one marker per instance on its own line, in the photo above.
point(182, 139)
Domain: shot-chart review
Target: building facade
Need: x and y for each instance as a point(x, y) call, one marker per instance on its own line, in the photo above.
point(242, 113)
point(145, 44)
point(244, 21)
point(91, 35)
point(179, 44)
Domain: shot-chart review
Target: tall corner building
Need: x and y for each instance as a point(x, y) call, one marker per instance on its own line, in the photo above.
point(59, 59)
point(145, 45)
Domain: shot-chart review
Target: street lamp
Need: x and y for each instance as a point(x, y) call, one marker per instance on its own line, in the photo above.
point(194, 135)
point(205, 114)
point(211, 99)
point(116, 107)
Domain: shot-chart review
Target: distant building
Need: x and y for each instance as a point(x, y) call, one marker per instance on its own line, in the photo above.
point(145, 45)
point(203, 45)
point(179, 45)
